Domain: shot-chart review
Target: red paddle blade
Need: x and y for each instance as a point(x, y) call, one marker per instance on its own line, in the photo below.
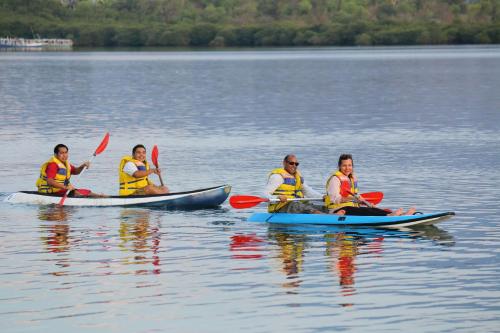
point(154, 156)
point(245, 201)
point(103, 145)
point(373, 197)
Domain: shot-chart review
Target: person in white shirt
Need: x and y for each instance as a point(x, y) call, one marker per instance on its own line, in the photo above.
point(287, 183)
point(134, 171)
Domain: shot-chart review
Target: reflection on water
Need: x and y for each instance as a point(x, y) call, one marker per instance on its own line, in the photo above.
point(342, 247)
point(55, 235)
point(432, 232)
point(141, 237)
point(54, 213)
point(246, 246)
point(291, 256)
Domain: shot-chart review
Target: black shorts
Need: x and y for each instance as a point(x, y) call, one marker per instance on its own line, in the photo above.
point(363, 211)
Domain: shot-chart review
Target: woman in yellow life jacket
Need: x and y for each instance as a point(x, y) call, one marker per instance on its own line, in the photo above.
point(55, 174)
point(342, 189)
point(133, 175)
point(287, 183)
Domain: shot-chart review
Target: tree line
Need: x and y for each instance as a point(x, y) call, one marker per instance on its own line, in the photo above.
point(248, 23)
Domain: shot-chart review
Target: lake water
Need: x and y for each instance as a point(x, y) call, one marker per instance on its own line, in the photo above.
point(423, 125)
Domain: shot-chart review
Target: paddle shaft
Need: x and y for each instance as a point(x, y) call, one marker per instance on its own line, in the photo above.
point(90, 161)
point(361, 200)
point(159, 175)
point(66, 192)
point(298, 199)
point(248, 201)
point(161, 180)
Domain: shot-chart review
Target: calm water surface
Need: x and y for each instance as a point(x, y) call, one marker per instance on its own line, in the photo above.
point(422, 123)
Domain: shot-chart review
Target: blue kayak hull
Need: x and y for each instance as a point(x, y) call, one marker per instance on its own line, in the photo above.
point(351, 220)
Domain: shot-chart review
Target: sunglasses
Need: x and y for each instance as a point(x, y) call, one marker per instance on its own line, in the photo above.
point(293, 163)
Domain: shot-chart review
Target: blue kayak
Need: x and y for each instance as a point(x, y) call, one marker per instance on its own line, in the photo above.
point(351, 220)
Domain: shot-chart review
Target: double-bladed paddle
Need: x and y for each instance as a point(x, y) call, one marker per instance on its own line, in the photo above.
point(99, 149)
point(248, 201)
point(154, 158)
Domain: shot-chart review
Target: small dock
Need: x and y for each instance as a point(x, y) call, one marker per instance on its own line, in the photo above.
point(35, 44)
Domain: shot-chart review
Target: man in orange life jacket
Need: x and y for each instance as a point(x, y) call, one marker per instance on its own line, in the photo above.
point(56, 172)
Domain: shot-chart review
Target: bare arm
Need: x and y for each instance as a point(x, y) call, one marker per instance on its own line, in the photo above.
point(79, 169)
point(140, 174)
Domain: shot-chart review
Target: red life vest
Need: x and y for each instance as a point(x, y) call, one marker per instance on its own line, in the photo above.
point(348, 186)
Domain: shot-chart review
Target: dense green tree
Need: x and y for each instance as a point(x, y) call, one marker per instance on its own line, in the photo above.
point(220, 23)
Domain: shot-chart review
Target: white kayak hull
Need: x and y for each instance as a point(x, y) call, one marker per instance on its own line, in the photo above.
point(197, 199)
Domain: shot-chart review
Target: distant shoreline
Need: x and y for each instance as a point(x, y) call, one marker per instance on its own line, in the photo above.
point(277, 53)
point(253, 23)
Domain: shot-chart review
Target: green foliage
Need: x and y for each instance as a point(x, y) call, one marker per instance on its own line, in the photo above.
point(238, 36)
point(175, 36)
point(130, 36)
point(218, 23)
point(394, 36)
point(275, 35)
point(202, 34)
point(364, 39)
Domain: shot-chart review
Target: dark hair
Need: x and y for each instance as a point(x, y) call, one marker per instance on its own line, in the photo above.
point(344, 157)
point(137, 147)
point(56, 148)
point(287, 157)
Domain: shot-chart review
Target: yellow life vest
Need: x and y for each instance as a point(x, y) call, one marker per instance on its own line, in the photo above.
point(291, 188)
point(130, 184)
point(348, 184)
point(62, 176)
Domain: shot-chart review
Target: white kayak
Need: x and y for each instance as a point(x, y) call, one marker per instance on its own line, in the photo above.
point(197, 199)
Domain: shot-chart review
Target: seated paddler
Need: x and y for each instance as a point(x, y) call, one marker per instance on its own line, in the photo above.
point(342, 193)
point(55, 174)
point(133, 174)
point(287, 183)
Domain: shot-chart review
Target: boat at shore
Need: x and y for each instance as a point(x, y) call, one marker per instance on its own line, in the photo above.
point(39, 43)
point(352, 220)
point(198, 199)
